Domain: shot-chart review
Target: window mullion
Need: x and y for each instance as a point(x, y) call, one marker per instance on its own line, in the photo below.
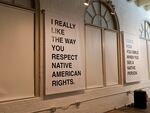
point(103, 56)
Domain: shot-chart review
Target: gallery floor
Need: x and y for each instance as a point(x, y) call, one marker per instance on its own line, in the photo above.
point(131, 110)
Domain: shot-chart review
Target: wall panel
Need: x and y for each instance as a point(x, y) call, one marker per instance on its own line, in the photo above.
point(94, 71)
point(16, 53)
point(111, 58)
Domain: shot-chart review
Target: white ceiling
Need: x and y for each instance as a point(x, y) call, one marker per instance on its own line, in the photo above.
point(142, 3)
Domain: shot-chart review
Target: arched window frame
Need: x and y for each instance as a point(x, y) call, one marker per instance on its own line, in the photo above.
point(110, 8)
point(116, 29)
point(145, 38)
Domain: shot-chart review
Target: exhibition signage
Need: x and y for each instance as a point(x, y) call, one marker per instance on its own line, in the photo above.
point(132, 58)
point(63, 59)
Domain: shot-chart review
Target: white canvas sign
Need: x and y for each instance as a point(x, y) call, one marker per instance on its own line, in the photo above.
point(63, 59)
point(132, 58)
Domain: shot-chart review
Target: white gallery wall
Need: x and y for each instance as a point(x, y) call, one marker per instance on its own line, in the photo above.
point(95, 98)
point(131, 19)
point(131, 16)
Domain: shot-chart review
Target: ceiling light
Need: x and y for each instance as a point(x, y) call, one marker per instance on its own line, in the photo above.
point(86, 3)
point(112, 13)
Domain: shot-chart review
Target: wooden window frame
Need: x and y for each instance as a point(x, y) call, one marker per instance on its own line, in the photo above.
point(110, 7)
point(36, 75)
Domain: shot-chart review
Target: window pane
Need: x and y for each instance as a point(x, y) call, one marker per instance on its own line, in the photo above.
point(104, 24)
point(97, 7)
point(111, 62)
point(109, 20)
point(97, 21)
point(110, 24)
point(88, 19)
point(94, 71)
point(91, 10)
point(103, 9)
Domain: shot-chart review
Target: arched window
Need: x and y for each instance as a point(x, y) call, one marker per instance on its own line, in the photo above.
point(145, 48)
point(102, 14)
point(102, 44)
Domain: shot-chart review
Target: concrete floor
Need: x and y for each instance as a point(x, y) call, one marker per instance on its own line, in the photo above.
point(131, 110)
